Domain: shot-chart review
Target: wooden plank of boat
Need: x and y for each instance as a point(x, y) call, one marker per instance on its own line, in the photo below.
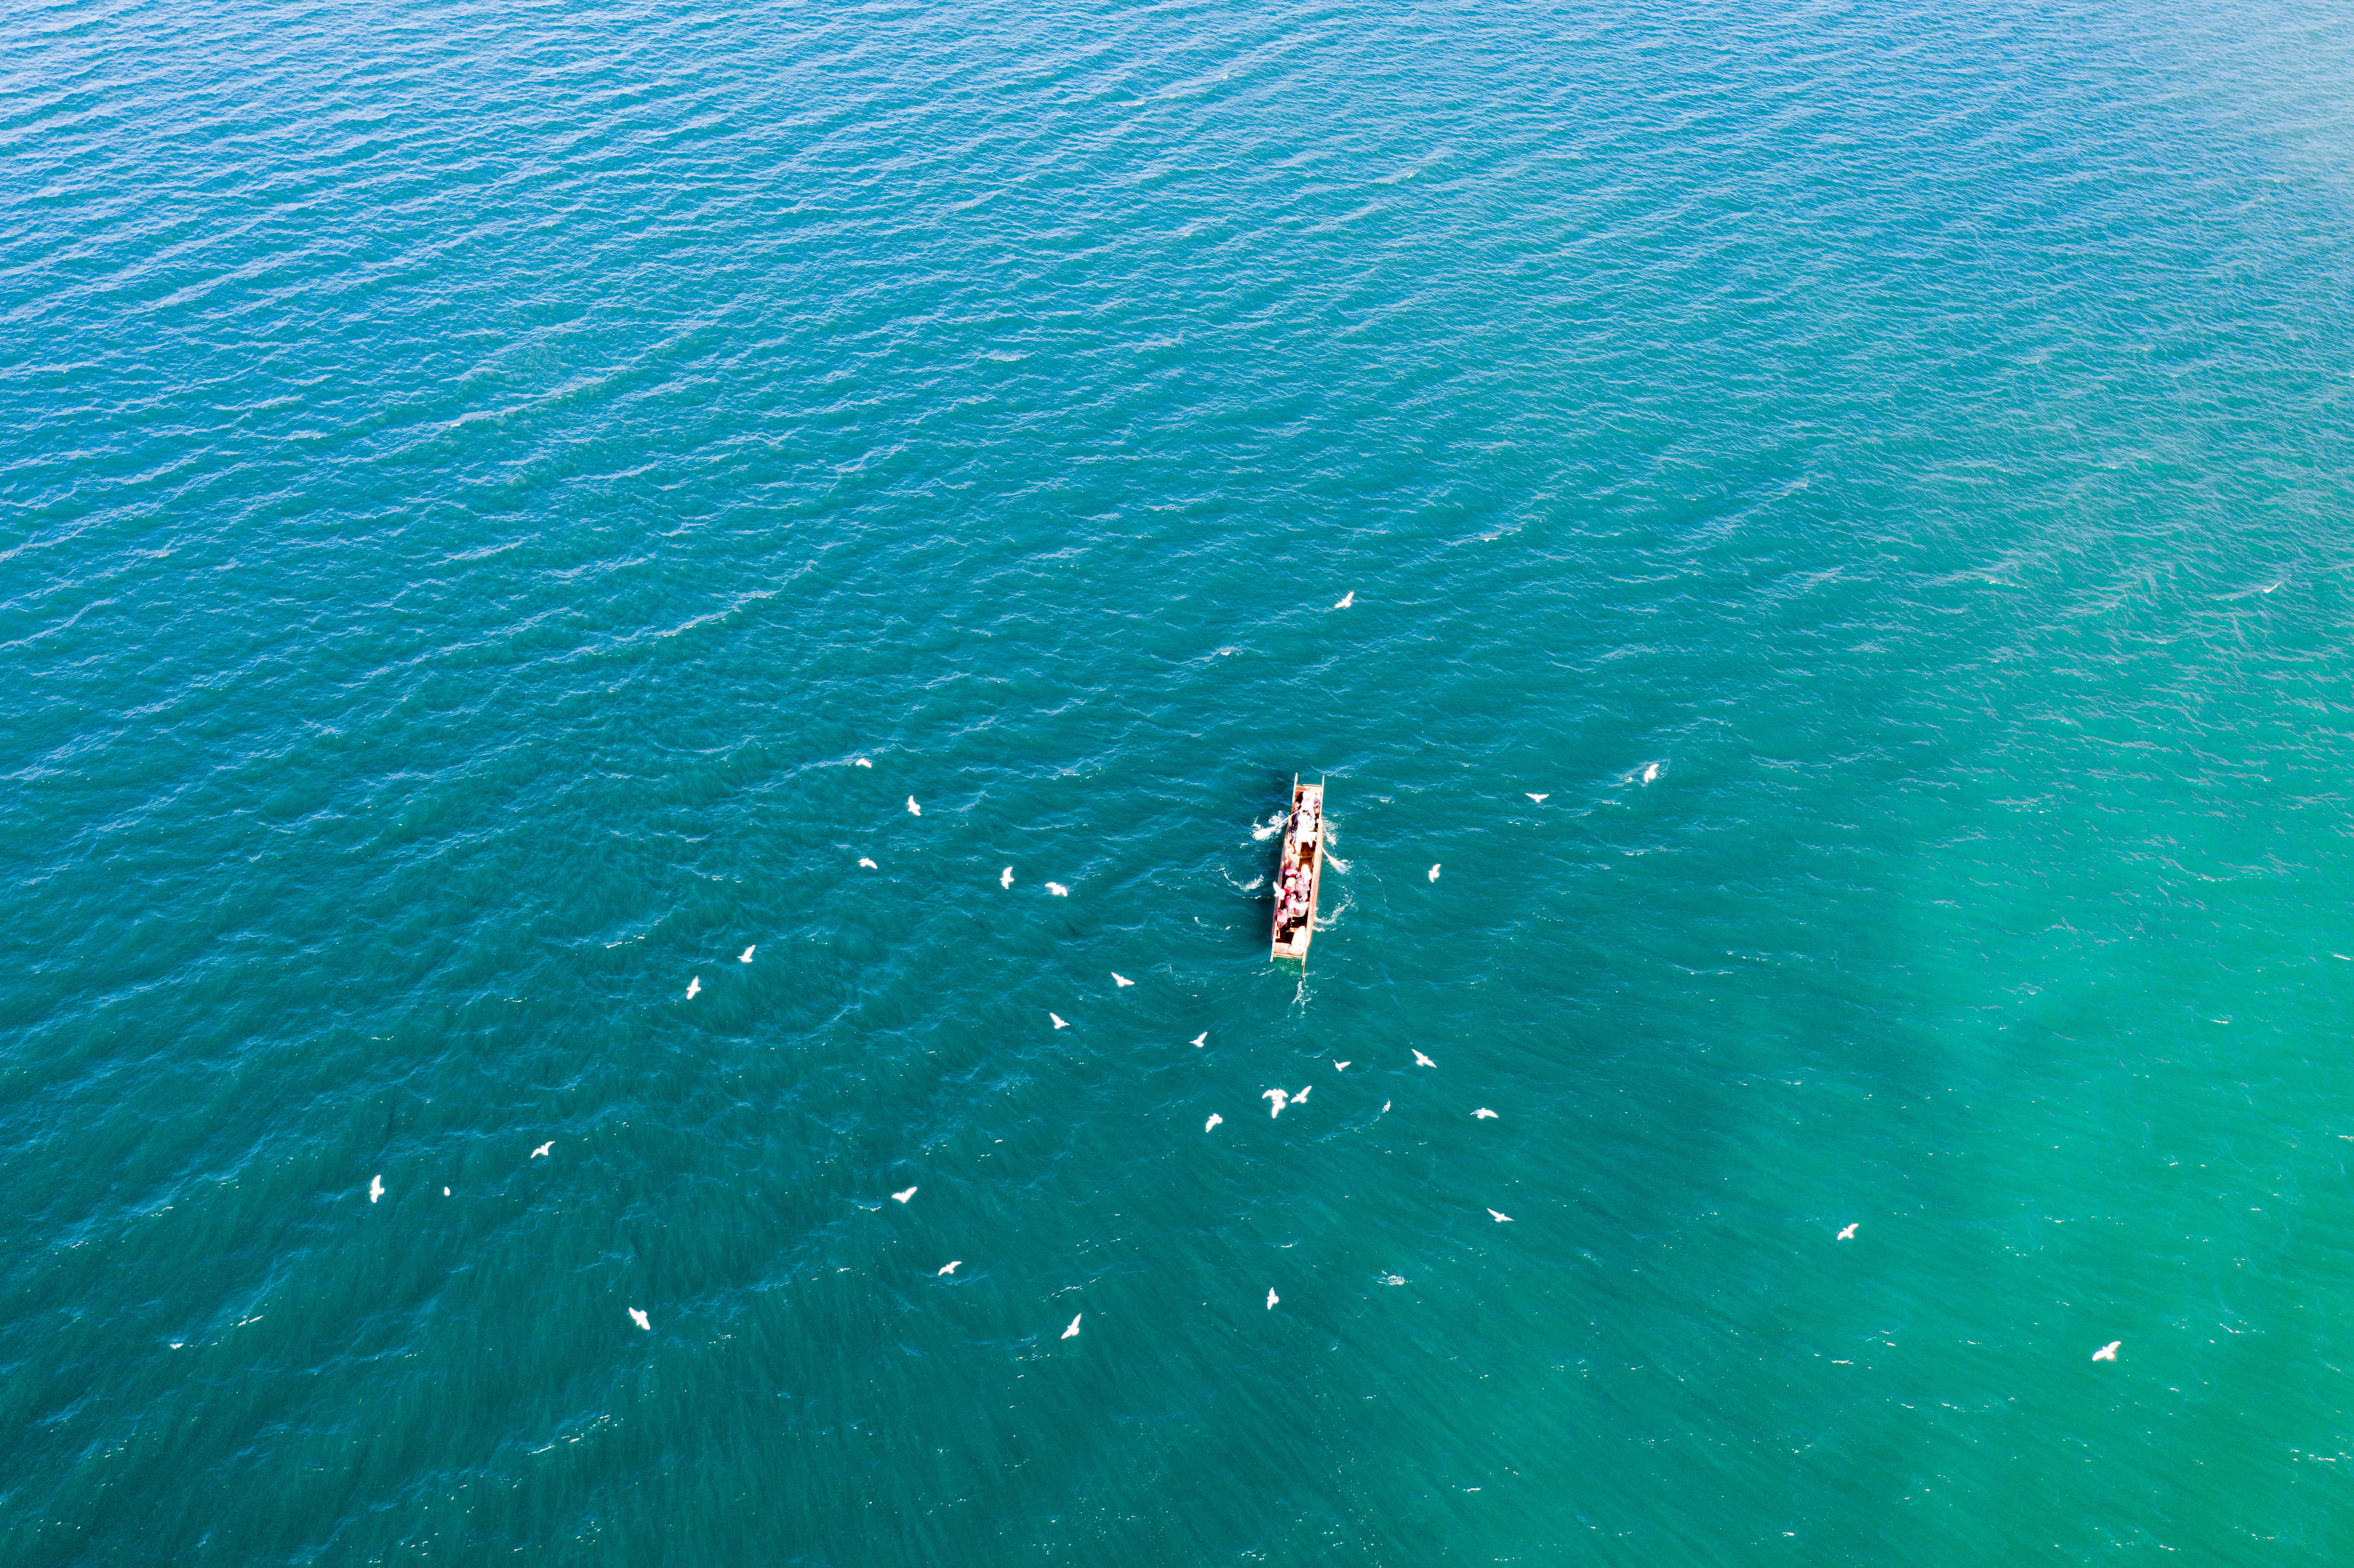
point(1299, 872)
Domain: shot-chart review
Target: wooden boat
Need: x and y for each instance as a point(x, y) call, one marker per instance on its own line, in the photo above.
point(1298, 873)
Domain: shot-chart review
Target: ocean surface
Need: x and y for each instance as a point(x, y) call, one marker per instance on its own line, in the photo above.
point(1843, 721)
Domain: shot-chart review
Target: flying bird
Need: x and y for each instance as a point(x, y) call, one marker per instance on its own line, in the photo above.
point(868, 863)
point(1501, 1219)
point(638, 1316)
point(862, 762)
point(1340, 1067)
point(1434, 873)
point(1302, 1097)
point(1421, 1060)
point(914, 809)
point(543, 1149)
point(1272, 1299)
point(951, 1268)
point(693, 988)
point(1201, 1039)
point(1540, 799)
point(2107, 1352)
point(903, 1197)
point(1347, 599)
point(745, 956)
point(1074, 1328)
point(1119, 980)
point(1005, 877)
point(1848, 1234)
point(1058, 890)
point(1651, 773)
point(1058, 1019)
point(1484, 1112)
point(1214, 1119)
point(375, 1188)
point(1280, 1098)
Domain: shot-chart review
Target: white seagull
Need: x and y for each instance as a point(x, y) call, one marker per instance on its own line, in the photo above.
point(638, 1316)
point(745, 956)
point(1074, 1328)
point(1214, 1119)
point(1058, 890)
point(1119, 980)
point(914, 809)
point(1421, 1060)
point(1386, 1108)
point(1484, 1112)
point(694, 987)
point(1501, 1219)
point(445, 1191)
point(375, 1188)
point(1434, 873)
point(1058, 1019)
point(1540, 799)
point(1202, 1039)
point(903, 1197)
point(1005, 877)
point(1340, 1067)
point(1280, 1097)
point(1302, 1097)
point(862, 762)
point(1272, 1299)
point(543, 1149)
point(1347, 599)
point(1848, 1234)
point(2107, 1352)
point(951, 1268)
point(1651, 773)
point(868, 863)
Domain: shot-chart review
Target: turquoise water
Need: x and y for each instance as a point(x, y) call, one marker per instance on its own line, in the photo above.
point(477, 477)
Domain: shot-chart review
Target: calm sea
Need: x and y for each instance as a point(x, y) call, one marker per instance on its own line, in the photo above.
point(1843, 721)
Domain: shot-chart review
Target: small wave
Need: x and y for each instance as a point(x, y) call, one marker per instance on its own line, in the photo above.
point(1268, 829)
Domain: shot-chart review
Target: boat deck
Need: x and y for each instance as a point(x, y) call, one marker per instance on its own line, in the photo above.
point(1298, 871)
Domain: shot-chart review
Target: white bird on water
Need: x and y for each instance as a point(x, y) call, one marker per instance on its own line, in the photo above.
point(1272, 1299)
point(914, 809)
point(1347, 599)
point(1484, 1112)
point(1005, 877)
point(1651, 773)
point(745, 956)
point(1201, 1040)
point(1540, 799)
point(951, 1268)
point(903, 1197)
point(1214, 1119)
point(1421, 1060)
point(1059, 1022)
point(1058, 890)
point(693, 988)
point(868, 863)
point(1119, 980)
point(1501, 1218)
point(1340, 1067)
point(543, 1149)
point(1434, 873)
point(862, 762)
point(375, 1188)
point(1280, 1097)
point(1074, 1328)
point(1848, 1234)
point(2107, 1352)
point(638, 1316)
